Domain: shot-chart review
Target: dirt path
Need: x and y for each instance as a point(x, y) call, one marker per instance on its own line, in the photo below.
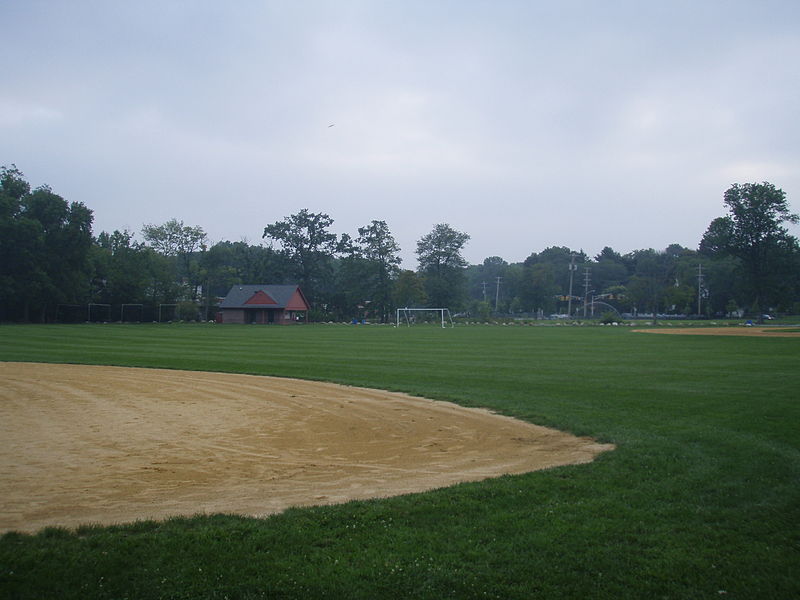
point(90, 444)
point(741, 331)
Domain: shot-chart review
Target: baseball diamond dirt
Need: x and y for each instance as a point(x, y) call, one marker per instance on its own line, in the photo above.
point(740, 331)
point(105, 445)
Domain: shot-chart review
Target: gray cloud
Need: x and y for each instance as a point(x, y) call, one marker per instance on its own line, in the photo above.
point(524, 124)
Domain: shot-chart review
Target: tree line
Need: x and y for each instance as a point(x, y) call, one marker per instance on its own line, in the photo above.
point(53, 268)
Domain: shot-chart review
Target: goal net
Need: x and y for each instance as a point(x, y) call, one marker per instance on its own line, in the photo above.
point(410, 316)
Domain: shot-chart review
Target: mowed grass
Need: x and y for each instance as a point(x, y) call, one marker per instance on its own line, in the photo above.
point(701, 498)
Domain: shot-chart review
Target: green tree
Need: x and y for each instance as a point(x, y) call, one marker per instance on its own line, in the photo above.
point(378, 248)
point(482, 282)
point(753, 232)
point(120, 269)
point(547, 276)
point(220, 274)
point(608, 253)
point(559, 258)
point(722, 282)
point(442, 265)
point(175, 240)
point(539, 288)
point(162, 287)
point(256, 263)
point(409, 291)
point(647, 287)
point(514, 275)
point(608, 270)
point(44, 249)
point(20, 239)
point(353, 292)
point(309, 247)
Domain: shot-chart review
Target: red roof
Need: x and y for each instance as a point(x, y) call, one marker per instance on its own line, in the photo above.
point(297, 302)
point(261, 297)
point(289, 297)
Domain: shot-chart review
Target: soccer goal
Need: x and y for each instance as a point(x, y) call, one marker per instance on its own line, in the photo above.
point(408, 315)
point(174, 308)
point(135, 312)
point(100, 311)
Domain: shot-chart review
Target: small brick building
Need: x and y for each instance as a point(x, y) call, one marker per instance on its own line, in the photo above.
point(264, 304)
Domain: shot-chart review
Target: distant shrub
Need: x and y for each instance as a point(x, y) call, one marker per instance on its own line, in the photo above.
point(610, 317)
point(188, 311)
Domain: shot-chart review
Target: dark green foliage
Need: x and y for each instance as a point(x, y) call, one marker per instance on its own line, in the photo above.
point(309, 246)
point(126, 271)
point(609, 317)
point(51, 271)
point(187, 311)
point(183, 243)
point(378, 249)
point(409, 291)
point(44, 249)
point(701, 498)
point(753, 232)
point(442, 265)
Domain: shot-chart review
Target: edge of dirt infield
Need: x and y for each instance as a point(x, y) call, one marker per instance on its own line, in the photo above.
point(107, 445)
point(743, 331)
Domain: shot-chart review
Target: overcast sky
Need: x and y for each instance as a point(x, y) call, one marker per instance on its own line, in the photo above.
point(524, 124)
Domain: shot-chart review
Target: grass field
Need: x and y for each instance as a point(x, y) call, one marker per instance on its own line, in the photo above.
point(701, 499)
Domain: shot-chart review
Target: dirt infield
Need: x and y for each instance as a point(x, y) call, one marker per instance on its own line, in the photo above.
point(90, 444)
point(741, 331)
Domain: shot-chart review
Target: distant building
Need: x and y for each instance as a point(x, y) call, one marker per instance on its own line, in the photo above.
point(264, 304)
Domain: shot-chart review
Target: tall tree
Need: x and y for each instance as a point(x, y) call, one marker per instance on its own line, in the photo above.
point(120, 269)
point(19, 243)
point(173, 238)
point(306, 241)
point(354, 290)
point(488, 283)
point(183, 242)
point(409, 291)
point(539, 288)
point(44, 248)
point(547, 276)
point(608, 271)
point(379, 249)
point(753, 232)
point(647, 287)
point(441, 263)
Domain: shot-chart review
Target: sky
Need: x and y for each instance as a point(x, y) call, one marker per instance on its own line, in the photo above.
point(525, 124)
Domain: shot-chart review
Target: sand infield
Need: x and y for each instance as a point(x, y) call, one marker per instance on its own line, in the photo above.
point(737, 331)
point(105, 445)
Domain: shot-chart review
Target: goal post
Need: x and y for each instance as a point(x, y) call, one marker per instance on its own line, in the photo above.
point(99, 305)
point(122, 311)
point(407, 314)
point(160, 306)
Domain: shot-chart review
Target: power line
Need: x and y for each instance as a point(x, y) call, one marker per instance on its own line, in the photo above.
point(572, 268)
point(586, 280)
point(699, 286)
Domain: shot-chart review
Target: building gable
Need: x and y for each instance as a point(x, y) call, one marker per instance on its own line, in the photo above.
point(297, 301)
point(261, 297)
point(288, 297)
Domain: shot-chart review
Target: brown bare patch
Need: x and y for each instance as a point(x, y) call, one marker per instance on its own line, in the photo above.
point(741, 331)
point(91, 444)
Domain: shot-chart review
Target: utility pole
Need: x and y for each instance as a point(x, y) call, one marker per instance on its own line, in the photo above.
point(483, 285)
point(699, 286)
point(572, 268)
point(586, 279)
point(497, 294)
